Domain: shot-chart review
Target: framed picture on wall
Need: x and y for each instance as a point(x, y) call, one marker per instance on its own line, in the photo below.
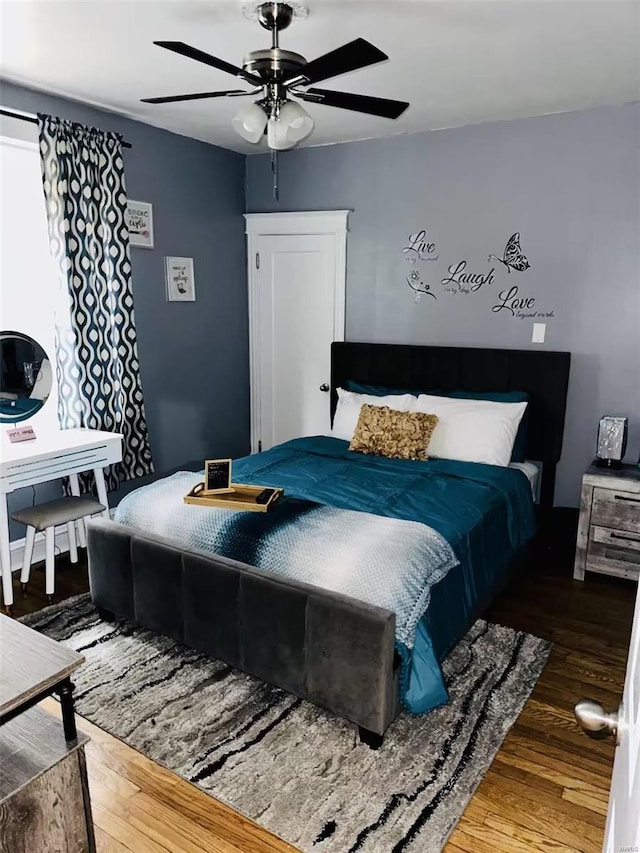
point(140, 223)
point(181, 285)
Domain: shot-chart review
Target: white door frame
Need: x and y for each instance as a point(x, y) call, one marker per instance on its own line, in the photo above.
point(332, 222)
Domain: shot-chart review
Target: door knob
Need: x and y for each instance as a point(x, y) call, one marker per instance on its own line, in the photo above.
point(324, 387)
point(594, 720)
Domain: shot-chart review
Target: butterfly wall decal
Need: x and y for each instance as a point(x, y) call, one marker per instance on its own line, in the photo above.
point(513, 258)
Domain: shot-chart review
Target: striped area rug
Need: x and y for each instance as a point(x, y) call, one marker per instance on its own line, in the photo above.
point(293, 768)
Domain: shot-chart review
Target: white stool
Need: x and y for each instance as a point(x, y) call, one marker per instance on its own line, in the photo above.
point(45, 517)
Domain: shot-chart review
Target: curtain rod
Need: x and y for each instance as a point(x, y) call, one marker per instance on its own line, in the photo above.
point(33, 120)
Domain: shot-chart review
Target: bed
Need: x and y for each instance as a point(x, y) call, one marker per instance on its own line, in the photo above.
point(342, 651)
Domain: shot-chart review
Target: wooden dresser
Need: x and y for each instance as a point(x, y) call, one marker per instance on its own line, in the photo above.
point(44, 794)
point(609, 528)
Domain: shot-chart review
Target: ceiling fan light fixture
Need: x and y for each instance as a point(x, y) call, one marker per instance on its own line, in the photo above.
point(277, 138)
point(250, 122)
point(297, 121)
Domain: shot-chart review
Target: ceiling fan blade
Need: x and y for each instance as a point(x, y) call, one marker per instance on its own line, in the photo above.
point(171, 98)
point(200, 56)
point(349, 57)
point(359, 103)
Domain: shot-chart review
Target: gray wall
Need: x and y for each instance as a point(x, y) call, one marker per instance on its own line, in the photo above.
point(568, 183)
point(193, 356)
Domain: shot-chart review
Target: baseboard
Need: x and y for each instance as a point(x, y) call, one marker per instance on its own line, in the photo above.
point(61, 544)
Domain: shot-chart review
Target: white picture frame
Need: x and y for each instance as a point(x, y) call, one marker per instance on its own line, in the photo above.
point(180, 280)
point(139, 217)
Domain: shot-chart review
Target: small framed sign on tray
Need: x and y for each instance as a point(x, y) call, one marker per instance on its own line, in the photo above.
point(217, 476)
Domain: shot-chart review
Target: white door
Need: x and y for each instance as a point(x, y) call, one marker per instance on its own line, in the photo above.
point(296, 302)
point(622, 831)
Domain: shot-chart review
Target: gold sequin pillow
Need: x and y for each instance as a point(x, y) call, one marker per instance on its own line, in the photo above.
point(382, 431)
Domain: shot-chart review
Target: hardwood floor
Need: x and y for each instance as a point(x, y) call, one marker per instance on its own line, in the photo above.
point(546, 791)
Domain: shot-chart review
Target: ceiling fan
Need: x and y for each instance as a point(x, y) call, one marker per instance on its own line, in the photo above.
point(276, 75)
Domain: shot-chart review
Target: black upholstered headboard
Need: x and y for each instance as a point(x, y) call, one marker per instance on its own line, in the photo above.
point(542, 374)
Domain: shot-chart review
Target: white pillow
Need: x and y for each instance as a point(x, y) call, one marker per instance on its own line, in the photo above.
point(347, 413)
point(472, 430)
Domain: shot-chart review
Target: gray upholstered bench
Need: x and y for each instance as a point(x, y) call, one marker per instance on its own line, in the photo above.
point(337, 652)
point(45, 517)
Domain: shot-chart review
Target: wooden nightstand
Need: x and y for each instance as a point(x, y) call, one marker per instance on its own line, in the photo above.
point(609, 528)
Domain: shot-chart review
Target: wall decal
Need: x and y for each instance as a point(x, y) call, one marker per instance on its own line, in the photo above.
point(522, 307)
point(459, 281)
point(513, 258)
point(508, 300)
point(419, 286)
point(419, 248)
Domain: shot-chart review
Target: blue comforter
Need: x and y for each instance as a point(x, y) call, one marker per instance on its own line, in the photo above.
point(391, 563)
point(486, 514)
point(452, 497)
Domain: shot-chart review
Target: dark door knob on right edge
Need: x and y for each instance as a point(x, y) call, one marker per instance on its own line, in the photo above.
point(324, 387)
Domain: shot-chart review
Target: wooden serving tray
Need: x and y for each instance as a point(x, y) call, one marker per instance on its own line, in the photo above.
point(241, 498)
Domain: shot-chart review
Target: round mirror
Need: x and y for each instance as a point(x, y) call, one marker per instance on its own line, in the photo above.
point(25, 377)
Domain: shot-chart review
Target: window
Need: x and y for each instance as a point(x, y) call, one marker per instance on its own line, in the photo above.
point(29, 284)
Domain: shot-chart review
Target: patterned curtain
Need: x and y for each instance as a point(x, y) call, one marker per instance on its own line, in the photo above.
point(96, 346)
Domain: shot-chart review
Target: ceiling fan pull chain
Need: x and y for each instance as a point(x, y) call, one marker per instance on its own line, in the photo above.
point(274, 171)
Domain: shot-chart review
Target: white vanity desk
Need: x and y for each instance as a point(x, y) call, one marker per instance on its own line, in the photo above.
point(54, 454)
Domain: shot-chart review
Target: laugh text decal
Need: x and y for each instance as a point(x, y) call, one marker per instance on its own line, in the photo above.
point(461, 281)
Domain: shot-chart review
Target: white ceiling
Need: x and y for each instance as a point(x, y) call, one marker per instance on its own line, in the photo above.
point(457, 61)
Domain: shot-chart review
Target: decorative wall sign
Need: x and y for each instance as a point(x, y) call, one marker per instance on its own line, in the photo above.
point(181, 285)
point(139, 217)
point(513, 258)
point(419, 286)
point(419, 248)
point(460, 281)
point(462, 278)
